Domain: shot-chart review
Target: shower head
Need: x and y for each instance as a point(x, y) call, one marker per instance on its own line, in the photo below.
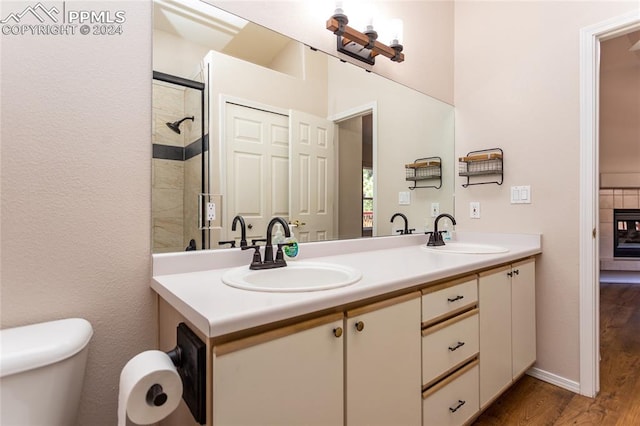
point(175, 126)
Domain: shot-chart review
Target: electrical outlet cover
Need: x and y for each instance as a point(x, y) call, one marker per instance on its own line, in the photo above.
point(211, 211)
point(474, 210)
point(435, 209)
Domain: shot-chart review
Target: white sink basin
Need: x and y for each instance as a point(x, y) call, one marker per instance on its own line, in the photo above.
point(467, 248)
point(296, 276)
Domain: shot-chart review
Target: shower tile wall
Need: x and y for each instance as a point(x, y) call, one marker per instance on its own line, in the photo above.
point(167, 175)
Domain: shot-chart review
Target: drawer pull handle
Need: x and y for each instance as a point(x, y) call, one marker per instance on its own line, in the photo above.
point(337, 331)
point(457, 407)
point(456, 346)
point(359, 326)
point(455, 299)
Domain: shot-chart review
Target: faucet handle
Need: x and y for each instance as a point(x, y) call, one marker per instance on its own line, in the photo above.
point(400, 231)
point(411, 230)
point(257, 259)
point(280, 255)
point(258, 240)
point(232, 243)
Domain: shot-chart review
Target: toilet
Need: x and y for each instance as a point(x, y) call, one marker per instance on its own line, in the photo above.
point(41, 372)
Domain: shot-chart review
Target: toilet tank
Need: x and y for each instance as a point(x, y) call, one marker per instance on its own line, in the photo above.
point(41, 372)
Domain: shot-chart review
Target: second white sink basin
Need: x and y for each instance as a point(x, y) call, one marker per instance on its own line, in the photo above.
point(467, 248)
point(297, 276)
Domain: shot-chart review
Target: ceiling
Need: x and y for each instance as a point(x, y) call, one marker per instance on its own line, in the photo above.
point(206, 25)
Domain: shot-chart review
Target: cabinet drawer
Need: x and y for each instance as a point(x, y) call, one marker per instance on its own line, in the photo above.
point(454, 403)
point(449, 344)
point(441, 301)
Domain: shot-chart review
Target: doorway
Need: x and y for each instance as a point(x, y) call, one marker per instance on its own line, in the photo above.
point(590, 39)
point(355, 177)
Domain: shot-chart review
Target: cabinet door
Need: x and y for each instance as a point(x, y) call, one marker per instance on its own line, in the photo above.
point(383, 380)
point(495, 333)
point(523, 316)
point(290, 376)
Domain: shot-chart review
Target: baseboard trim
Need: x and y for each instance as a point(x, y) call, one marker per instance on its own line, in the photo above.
point(554, 379)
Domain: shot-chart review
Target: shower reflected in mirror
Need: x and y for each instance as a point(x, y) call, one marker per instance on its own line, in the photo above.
point(175, 126)
point(180, 170)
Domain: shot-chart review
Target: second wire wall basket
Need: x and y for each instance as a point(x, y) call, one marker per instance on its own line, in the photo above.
point(425, 169)
point(482, 164)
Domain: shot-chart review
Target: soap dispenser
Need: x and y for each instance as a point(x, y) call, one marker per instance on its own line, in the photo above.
point(291, 249)
point(279, 237)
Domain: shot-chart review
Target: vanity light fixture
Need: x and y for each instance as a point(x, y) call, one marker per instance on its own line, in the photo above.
point(363, 46)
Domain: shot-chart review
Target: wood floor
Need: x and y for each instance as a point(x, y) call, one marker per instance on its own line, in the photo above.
point(533, 402)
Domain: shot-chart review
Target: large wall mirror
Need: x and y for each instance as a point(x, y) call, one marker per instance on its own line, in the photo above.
point(283, 130)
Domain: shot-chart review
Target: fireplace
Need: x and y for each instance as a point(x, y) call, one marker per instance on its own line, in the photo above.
point(626, 233)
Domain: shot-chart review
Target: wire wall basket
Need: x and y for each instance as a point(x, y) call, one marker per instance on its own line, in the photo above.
point(423, 169)
point(481, 163)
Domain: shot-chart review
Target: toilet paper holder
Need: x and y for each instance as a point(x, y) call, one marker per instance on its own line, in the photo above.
point(189, 357)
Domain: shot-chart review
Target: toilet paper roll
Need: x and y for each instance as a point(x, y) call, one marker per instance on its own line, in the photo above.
point(138, 376)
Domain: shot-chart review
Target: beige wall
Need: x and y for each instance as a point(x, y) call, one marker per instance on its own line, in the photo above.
point(517, 88)
point(620, 105)
point(428, 35)
point(409, 125)
point(350, 178)
point(76, 169)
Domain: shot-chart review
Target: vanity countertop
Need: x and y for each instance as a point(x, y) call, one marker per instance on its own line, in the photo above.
point(191, 282)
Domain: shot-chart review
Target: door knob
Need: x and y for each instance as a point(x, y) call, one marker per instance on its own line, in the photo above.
point(296, 223)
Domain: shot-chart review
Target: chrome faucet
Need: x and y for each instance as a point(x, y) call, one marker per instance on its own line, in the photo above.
point(435, 239)
point(268, 262)
point(243, 230)
point(406, 229)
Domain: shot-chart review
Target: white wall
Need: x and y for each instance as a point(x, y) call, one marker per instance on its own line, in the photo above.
point(517, 87)
point(76, 166)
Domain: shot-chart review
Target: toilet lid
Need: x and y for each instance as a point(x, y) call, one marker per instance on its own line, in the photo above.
point(37, 345)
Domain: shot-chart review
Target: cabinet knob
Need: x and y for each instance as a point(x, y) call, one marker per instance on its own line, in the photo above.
point(359, 326)
point(516, 272)
point(337, 331)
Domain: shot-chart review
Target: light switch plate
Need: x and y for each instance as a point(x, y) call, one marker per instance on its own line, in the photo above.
point(521, 194)
point(404, 197)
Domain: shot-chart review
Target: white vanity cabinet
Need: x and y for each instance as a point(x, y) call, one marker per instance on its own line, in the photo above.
point(382, 385)
point(435, 354)
point(364, 363)
point(288, 376)
point(507, 326)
